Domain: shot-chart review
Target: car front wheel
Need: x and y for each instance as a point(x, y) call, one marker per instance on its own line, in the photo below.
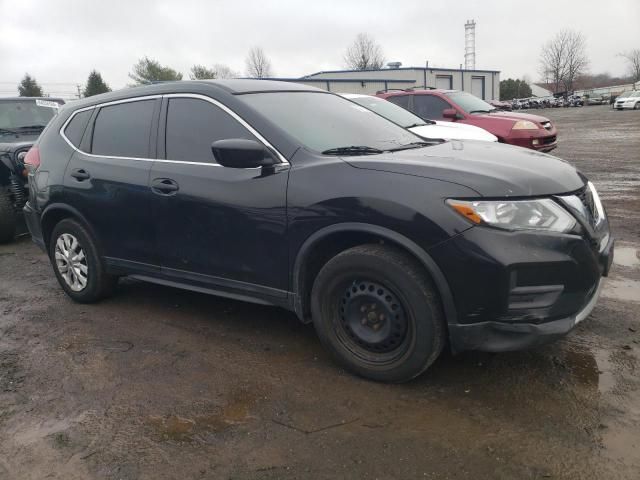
point(77, 264)
point(377, 312)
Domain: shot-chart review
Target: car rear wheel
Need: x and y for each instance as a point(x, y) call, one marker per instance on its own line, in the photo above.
point(77, 264)
point(7, 216)
point(377, 312)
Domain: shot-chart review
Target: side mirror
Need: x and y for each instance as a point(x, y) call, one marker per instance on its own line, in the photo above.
point(241, 153)
point(451, 113)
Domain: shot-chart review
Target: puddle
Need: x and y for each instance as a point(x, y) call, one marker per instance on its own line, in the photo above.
point(591, 368)
point(183, 429)
point(626, 256)
point(622, 289)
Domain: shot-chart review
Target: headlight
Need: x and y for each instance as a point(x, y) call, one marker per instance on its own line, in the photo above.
point(524, 125)
point(21, 156)
point(543, 214)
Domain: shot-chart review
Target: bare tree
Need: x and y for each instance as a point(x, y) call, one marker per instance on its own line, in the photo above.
point(364, 54)
point(224, 71)
point(633, 57)
point(563, 59)
point(257, 64)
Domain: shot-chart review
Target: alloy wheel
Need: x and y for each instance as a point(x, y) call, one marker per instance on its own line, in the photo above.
point(71, 262)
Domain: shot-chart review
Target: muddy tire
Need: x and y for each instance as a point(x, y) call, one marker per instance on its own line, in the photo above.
point(8, 218)
point(377, 312)
point(77, 263)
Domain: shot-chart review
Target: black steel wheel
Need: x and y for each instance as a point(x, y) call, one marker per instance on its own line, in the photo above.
point(377, 312)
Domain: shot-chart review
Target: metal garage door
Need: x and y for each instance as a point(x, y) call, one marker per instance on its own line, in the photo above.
point(444, 81)
point(477, 87)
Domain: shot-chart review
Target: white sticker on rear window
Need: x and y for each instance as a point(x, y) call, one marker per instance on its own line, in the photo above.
point(47, 103)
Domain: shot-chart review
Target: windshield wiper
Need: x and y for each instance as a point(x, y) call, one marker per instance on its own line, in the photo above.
point(353, 150)
point(413, 145)
point(426, 122)
point(481, 111)
point(8, 131)
point(32, 127)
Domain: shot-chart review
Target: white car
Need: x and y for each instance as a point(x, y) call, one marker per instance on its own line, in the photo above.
point(629, 100)
point(419, 126)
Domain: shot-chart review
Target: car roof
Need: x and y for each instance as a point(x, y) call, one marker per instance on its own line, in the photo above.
point(233, 87)
point(356, 95)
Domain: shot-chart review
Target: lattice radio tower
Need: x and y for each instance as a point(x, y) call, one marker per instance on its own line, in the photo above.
point(470, 45)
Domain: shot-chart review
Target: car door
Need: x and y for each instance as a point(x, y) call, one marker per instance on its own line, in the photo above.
point(107, 177)
point(215, 225)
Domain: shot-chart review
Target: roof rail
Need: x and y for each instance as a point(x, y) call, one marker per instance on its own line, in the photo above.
point(422, 87)
point(384, 90)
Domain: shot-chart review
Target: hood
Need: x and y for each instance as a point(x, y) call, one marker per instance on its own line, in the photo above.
point(451, 130)
point(15, 141)
point(491, 169)
point(514, 116)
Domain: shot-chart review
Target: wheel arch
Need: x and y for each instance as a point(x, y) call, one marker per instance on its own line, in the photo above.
point(57, 212)
point(346, 235)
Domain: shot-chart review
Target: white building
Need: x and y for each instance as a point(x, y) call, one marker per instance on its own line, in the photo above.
point(484, 84)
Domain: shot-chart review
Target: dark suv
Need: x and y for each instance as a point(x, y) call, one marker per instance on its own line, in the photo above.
point(21, 121)
point(287, 195)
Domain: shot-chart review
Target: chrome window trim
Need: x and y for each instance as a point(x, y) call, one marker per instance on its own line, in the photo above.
point(197, 96)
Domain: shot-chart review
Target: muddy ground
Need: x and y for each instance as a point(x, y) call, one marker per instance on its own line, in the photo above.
point(157, 383)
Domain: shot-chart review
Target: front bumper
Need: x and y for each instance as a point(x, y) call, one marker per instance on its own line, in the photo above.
point(504, 337)
point(541, 140)
point(514, 290)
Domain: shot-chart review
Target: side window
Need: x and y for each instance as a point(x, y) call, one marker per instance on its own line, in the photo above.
point(193, 125)
point(123, 130)
point(429, 106)
point(76, 127)
point(400, 100)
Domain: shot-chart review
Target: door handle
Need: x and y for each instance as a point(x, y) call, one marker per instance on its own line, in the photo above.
point(164, 186)
point(80, 174)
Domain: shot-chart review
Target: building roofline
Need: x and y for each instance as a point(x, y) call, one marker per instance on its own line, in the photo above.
point(304, 79)
point(403, 68)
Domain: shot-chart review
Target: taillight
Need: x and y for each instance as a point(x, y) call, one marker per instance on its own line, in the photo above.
point(33, 158)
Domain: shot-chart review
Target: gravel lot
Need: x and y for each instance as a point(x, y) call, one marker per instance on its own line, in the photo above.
point(157, 383)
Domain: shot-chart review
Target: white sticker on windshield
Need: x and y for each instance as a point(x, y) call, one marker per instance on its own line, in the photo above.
point(47, 103)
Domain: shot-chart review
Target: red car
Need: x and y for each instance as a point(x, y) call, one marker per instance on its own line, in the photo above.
point(521, 129)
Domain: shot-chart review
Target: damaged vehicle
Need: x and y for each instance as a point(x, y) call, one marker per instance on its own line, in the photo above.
point(393, 246)
point(22, 119)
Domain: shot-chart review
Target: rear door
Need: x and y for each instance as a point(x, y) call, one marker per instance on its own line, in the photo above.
point(107, 178)
point(216, 226)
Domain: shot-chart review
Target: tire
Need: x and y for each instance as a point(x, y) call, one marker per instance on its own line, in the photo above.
point(636, 106)
point(8, 218)
point(378, 314)
point(85, 258)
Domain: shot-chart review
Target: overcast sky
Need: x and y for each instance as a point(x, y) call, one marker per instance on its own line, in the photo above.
point(60, 41)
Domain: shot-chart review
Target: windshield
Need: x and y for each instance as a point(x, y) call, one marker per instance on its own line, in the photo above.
point(322, 121)
point(631, 94)
point(389, 110)
point(470, 103)
point(17, 114)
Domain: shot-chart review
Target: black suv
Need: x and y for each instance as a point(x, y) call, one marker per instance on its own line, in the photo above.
point(288, 195)
point(21, 121)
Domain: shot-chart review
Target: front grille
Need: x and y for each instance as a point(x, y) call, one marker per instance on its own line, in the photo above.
point(548, 140)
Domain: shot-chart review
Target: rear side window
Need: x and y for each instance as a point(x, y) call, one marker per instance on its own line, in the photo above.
point(76, 127)
point(193, 125)
point(123, 130)
point(400, 100)
point(429, 106)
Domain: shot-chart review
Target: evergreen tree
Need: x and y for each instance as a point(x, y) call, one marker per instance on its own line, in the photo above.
point(95, 85)
point(148, 70)
point(29, 87)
